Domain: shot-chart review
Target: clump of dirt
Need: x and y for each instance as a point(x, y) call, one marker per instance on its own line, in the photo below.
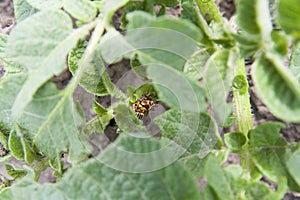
point(227, 7)
point(7, 19)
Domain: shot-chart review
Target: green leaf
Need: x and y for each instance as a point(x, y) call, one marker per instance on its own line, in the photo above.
point(196, 164)
point(91, 79)
point(14, 172)
point(281, 45)
point(16, 146)
point(110, 7)
point(94, 180)
point(217, 179)
point(99, 109)
point(23, 10)
point(10, 85)
point(228, 183)
point(9, 66)
point(175, 90)
point(218, 75)
point(210, 11)
point(293, 166)
point(41, 43)
point(248, 45)
point(235, 141)
point(126, 119)
point(191, 13)
point(146, 88)
point(195, 133)
point(270, 152)
point(52, 122)
point(45, 4)
point(143, 28)
point(82, 10)
point(149, 37)
point(3, 40)
point(194, 67)
point(168, 3)
point(294, 63)
point(254, 17)
point(98, 123)
point(277, 88)
point(288, 14)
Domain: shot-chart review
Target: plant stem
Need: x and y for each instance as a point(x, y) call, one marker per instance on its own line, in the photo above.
point(243, 116)
point(209, 8)
point(242, 102)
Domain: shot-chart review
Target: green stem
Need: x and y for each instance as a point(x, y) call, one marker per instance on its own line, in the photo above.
point(242, 101)
point(243, 113)
point(209, 8)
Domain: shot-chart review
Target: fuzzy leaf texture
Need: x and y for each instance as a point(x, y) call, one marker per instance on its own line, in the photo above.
point(150, 38)
point(270, 152)
point(254, 17)
point(293, 164)
point(235, 141)
point(277, 88)
point(294, 64)
point(228, 183)
point(54, 125)
point(23, 10)
point(195, 133)
point(91, 80)
point(83, 10)
point(176, 90)
point(255, 26)
point(45, 4)
point(218, 75)
point(41, 43)
point(94, 180)
point(53, 130)
point(288, 13)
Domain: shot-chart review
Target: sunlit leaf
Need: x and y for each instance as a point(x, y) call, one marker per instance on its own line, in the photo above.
point(41, 43)
point(93, 180)
point(277, 88)
point(82, 10)
point(288, 12)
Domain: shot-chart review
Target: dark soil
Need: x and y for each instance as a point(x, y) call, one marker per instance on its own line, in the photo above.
point(122, 76)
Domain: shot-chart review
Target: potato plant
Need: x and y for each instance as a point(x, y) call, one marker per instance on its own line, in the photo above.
point(186, 64)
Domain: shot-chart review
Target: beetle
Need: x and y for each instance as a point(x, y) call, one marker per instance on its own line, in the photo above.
point(143, 105)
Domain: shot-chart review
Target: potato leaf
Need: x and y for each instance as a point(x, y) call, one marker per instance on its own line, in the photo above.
point(91, 80)
point(228, 183)
point(277, 88)
point(82, 10)
point(41, 43)
point(218, 75)
point(293, 164)
point(23, 10)
point(149, 37)
point(235, 141)
point(175, 90)
point(52, 122)
point(93, 179)
point(294, 63)
point(288, 14)
point(270, 152)
point(45, 4)
point(195, 133)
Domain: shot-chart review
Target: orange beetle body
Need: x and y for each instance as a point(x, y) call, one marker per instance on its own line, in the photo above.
point(143, 105)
